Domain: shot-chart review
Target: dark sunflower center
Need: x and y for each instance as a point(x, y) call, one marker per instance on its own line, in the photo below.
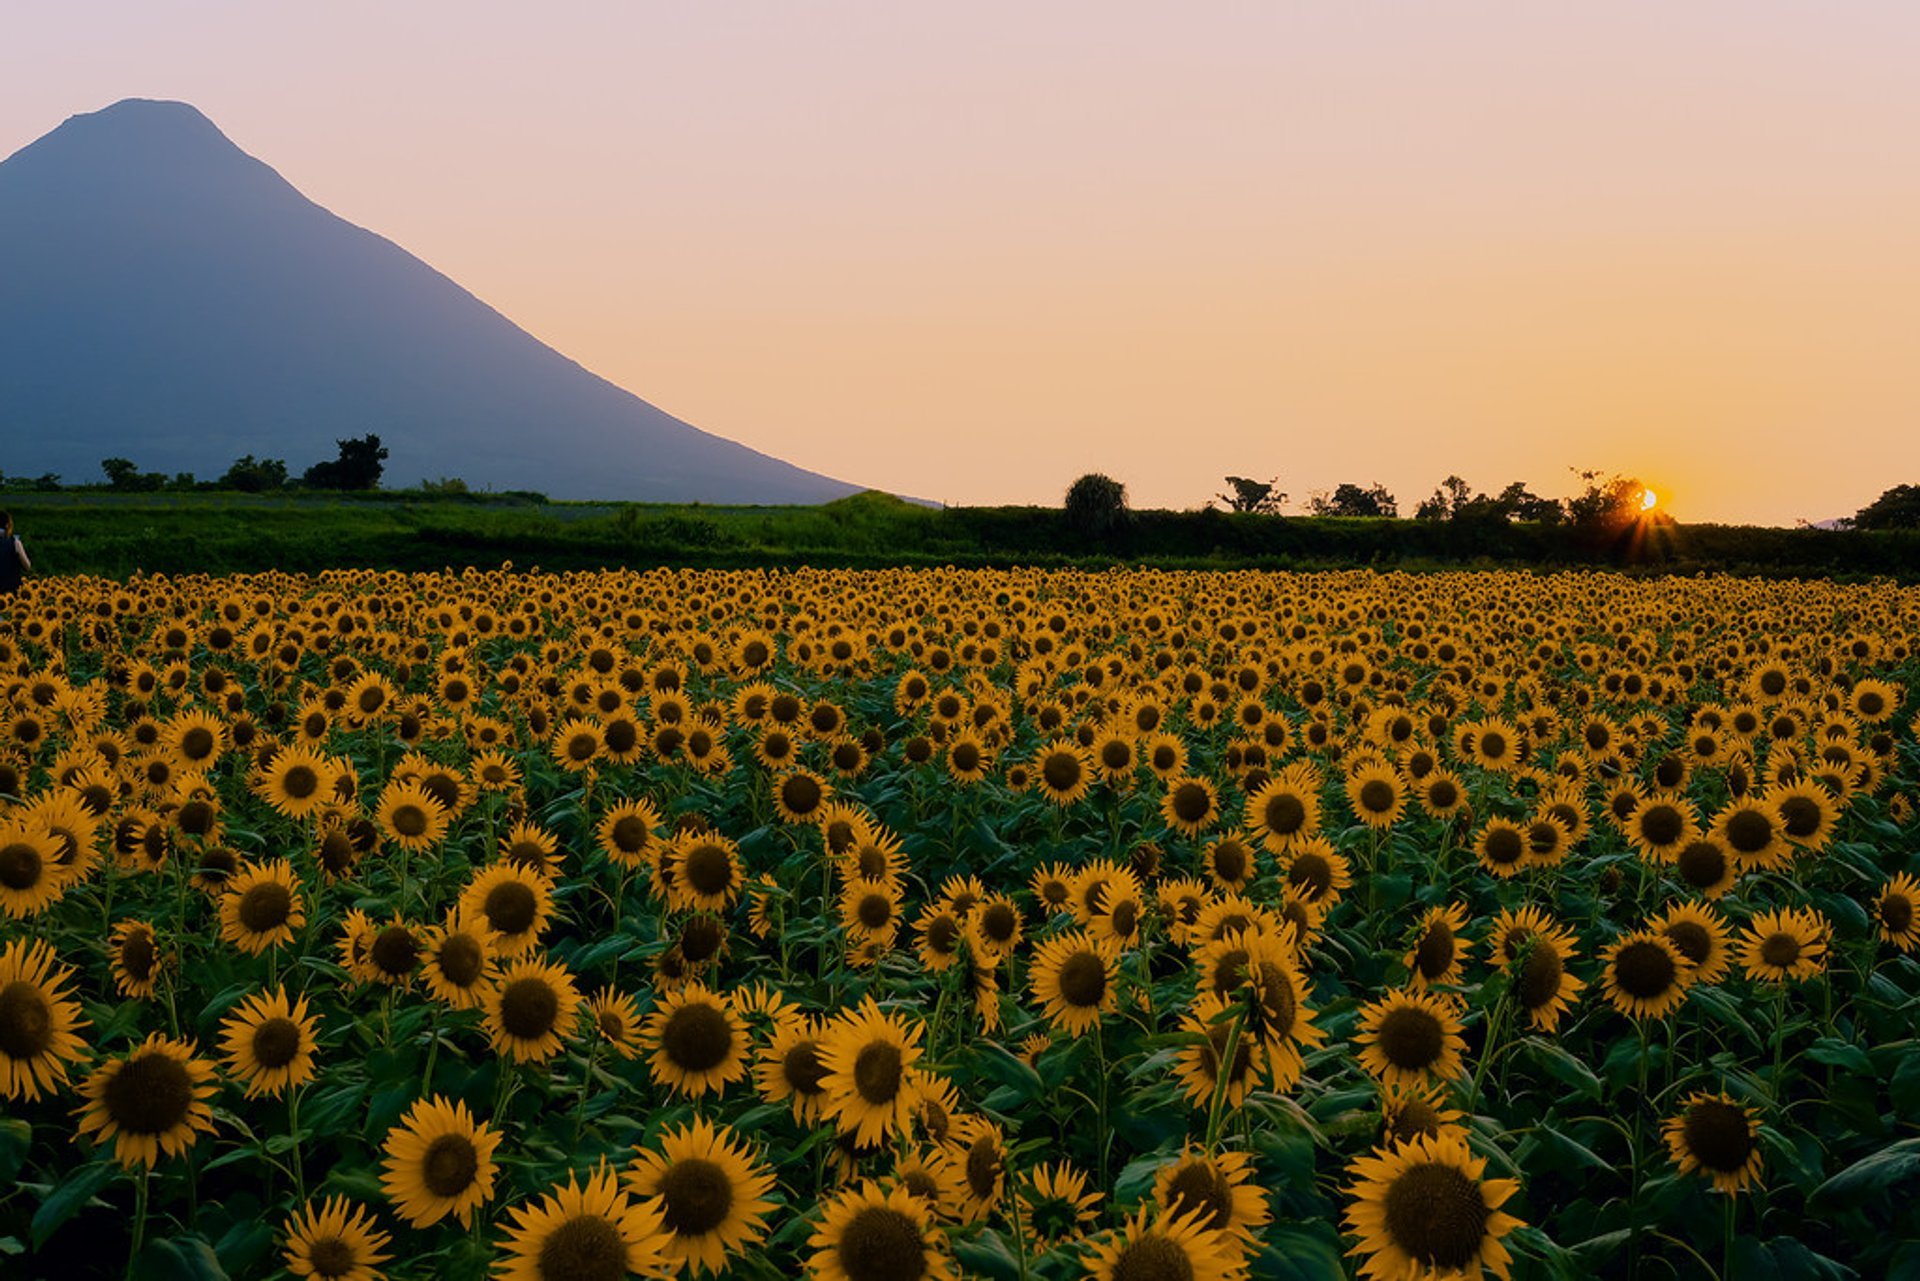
point(300, 782)
point(461, 960)
point(1896, 913)
point(196, 744)
point(529, 1008)
point(20, 865)
point(629, 835)
point(586, 1247)
point(1191, 802)
point(802, 1068)
point(700, 938)
point(874, 911)
point(708, 868)
point(1504, 846)
point(1115, 754)
point(1717, 1135)
point(999, 922)
point(1083, 980)
point(276, 1043)
point(409, 820)
point(1437, 1215)
point(697, 1037)
point(801, 793)
point(1278, 1005)
point(1201, 1187)
point(1411, 1038)
point(622, 735)
point(332, 1257)
point(881, 1243)
point(1540, 975)
point(151, 1094)
point(1124, 917)
point(137, 955)
point(983, 1166)
point(395, 950)
point(1230, 861)
point(1313, 873)
point(1644, 969)
point(1691, 938)
point(1780, 950)
point(1434, 956)
point(878, 1072)
point(1414, 1117)
point(965, 757)
point(26, 1021)
point(1284, 814)
point(696, 1196)
point(265, 907)
point(1800, 816)
point(1661, 824)
point(510, 907)
point(1702, 863)
point(872, 861)
point(449, 1165)
point(941, 934)
point(1376, 796)
point(1154, 1257)
point(1061, 771)
point(526, 854)
point(1749, 832)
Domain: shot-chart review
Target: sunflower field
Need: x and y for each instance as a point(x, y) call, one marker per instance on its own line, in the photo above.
point(926, 924)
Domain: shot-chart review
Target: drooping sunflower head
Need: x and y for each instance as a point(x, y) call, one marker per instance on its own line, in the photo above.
point(1718, 1138)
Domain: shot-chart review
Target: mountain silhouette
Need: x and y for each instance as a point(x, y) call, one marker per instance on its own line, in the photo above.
point(167, 298)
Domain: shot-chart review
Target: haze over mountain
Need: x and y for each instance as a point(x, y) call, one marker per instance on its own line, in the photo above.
point(167, 298)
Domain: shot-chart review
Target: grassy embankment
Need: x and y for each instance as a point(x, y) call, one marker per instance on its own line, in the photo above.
point(119, 534)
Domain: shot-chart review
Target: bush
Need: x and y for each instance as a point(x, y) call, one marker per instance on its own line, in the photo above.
point(1096, 507)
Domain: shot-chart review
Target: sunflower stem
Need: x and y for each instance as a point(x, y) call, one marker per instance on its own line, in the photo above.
point(139, 1218)
point(1100, 1135)
point(433, 1047)
point(293, 1150)
point(586, 1090)
point(1223, 1066)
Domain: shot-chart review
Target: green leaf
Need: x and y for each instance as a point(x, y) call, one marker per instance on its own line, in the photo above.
point(987, 1255)
point(69, 1198)
point(1563, 1067)
point(1842, 1054)
point(1300, 1252)
point(178, 1259)
point(1872, 1176)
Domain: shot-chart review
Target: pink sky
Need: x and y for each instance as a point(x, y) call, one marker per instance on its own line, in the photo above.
point(971, 251)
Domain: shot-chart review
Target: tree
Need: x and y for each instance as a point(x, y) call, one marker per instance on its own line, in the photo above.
point(1351, 500)
point(1605, 502)
point(1253, 495)
point(1096, 506)
point(1898, 508)
point(358, 466)
point(124, 477)
point(254, 476)
point(1522, 503)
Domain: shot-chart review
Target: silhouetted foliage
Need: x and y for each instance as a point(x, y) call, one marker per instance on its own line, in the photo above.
point(124, 477)
point(1253, 495)
point(252, 475)
point(1605, 502)
point(1096, 506)
point(1351, 500)
point(358, 467)
point(1898, 508)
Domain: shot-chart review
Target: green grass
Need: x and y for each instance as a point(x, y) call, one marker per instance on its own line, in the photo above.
point(121, 534)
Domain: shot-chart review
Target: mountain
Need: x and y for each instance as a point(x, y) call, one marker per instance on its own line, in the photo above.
point(167, 298)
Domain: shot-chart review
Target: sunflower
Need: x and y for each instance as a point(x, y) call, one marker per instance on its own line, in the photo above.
point(532, 848)
point(136, 959)
point(261, 907)
point(869, 1058)
point(1441, 794)
point(1159, 1245)
point(1230, 862)
point(584, 1232)
point(151, 1102)
point(299, 782)
point(1056, 1204)
point(788, 1068)
point(1702, 937)
point(513, 903)
point(1052, 885)
point(458, 961)
point(30, 873)
point(616, 1020)
point(1895, 914)
point(531, 1010)
point(1646, 975)
point(1219, 1192)
point(875, 1233)
point(1752, 829)
point(1073, 977)
point(696, 1041)
point(1408, 1039)
point(800, 796)
point(1316, 872)
point(1191, 804)
point(1282, 811)
point(1407, 1114)
point(1705, 864)
point(1439, 949)
point(1716, 1137)
point(1061, 772)
point(268, 1043)
point(1660, 826)
point(1502, 847)
point(627, 832)
point(197, 738)
point(707, 874)
point(1210, 1023)
point(392, 951)
point(336, 1241)
point(940, 933)
point(976, 1151)
point(38, 1021)
point(438, 1162)
point(712, 1194)
point(411, 817)
point(1787, 944)
point(1807, 813)
point(1377, 796)
point(1541, 982)
point(1422, 1209)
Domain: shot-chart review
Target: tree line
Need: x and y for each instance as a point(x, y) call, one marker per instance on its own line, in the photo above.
point(358, 465)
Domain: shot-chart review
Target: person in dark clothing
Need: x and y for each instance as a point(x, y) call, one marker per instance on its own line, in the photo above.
point(13, 557)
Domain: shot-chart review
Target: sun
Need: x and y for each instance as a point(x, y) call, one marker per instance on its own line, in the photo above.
point(1648, 500)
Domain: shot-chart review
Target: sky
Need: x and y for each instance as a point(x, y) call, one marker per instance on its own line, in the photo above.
point(969, 252)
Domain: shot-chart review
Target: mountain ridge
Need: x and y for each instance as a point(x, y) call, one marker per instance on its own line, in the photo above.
point(167, 297)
